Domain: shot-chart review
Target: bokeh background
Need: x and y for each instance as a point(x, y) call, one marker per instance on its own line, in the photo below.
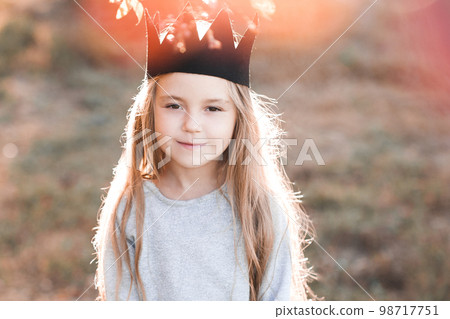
point(376, 105)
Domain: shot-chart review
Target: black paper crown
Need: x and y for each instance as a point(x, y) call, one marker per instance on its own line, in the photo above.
point(215, 54)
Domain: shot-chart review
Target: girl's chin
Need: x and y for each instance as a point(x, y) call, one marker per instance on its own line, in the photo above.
point(191, 160)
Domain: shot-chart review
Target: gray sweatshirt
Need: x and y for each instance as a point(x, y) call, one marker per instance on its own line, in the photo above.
point(188, 252)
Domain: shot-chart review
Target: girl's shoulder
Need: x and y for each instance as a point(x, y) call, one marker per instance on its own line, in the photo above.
point(148, 186)
point(130, 227)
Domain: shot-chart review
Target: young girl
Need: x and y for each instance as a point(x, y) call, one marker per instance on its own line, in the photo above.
point(200, 207)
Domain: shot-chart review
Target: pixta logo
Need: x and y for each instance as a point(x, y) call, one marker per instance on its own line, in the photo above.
point(146, 143)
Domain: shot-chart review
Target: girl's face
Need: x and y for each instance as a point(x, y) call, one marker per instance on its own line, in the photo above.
point(197, 114)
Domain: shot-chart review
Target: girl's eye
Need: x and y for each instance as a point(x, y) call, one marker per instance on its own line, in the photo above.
point(172, 106)
point(214, 109)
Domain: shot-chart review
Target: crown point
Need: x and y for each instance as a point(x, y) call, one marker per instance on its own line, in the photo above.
point(256, 20)
point(156, 21)
point(188, 7)
point(221, 28)
point(224, 12)
point(146, 15)
point(186, 15)
point(247, 40)
point(151, 27)
point(253, 25)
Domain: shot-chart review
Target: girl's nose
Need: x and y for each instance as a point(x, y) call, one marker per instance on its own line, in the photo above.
point(190, 123)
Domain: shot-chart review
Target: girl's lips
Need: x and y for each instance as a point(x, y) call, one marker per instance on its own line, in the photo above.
point(190, 146)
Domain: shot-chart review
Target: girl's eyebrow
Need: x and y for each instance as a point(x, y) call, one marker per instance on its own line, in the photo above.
point(174, 97)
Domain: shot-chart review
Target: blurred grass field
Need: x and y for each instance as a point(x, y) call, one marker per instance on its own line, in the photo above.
point(380, 205)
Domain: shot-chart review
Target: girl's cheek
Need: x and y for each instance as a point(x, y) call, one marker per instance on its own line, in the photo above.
point(169, 118)
point(165, 146)
point(230, 128)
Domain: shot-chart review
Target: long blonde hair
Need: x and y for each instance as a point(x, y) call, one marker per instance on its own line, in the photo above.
point(250, 187)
